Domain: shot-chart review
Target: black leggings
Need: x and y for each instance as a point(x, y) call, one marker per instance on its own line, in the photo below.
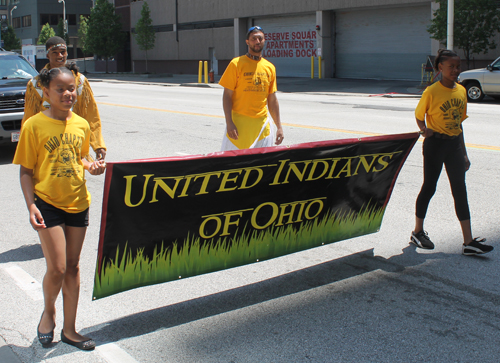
point(436, 153)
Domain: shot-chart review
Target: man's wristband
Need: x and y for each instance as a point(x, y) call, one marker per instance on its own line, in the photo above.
point(421, 132)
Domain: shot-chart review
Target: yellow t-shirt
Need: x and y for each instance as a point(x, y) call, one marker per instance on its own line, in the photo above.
point(443, 109)
point(252, 82)
point(53, 149)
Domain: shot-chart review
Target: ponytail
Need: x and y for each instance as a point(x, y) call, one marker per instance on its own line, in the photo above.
point(443, 55)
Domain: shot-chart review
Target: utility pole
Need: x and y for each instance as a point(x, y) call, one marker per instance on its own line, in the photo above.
point(451, 20)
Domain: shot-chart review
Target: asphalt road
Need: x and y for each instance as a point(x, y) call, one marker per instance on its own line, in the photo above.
point(370, 299)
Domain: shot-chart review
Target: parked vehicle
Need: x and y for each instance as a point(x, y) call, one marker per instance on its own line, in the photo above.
point(15, 72)
point(481, 82)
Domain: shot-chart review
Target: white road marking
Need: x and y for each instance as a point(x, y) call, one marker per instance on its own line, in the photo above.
point(25, 281)
point(114, 354)
point(182, 154)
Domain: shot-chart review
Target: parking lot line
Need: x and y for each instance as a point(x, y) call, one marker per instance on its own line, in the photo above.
point(114, 354)
point(25, 281)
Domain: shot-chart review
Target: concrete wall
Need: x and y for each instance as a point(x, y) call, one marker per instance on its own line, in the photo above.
point(190, 46)
point(179, 52)
point(195, 10)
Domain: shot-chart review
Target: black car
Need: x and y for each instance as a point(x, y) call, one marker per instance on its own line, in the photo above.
point(15, 73)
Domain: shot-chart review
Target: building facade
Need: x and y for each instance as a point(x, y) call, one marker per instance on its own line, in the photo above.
point(5, 7)
point(30, 15)
point(355, 39)
point(381, 39)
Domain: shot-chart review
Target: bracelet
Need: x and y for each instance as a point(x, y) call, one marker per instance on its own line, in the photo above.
point(421, 132)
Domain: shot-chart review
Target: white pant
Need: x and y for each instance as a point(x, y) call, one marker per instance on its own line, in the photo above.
point(268, 141)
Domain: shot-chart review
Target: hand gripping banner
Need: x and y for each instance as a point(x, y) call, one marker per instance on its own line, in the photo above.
point(170, 218)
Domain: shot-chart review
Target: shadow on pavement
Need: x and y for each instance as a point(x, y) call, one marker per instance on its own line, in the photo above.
point(23, 253)
point(277, 287)
point(231, 300)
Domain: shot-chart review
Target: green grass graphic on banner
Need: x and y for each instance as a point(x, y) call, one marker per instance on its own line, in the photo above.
point(131, 269)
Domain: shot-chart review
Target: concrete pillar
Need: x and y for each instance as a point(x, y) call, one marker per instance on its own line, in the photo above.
point(240, 32)
point(326, 41)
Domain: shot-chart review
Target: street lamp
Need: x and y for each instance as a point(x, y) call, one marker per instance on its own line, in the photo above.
point(11, 10)
point(64, 15)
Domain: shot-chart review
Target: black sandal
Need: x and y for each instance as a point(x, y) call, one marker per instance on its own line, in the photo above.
point(88, 344)
point(44, 338)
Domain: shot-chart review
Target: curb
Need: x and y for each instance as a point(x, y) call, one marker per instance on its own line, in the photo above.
point(170, 82)
point(402, 95)
point(7, 355)
point(165, 84)
point(203, 85)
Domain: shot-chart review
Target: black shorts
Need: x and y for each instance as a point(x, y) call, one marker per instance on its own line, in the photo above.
point(53, 216)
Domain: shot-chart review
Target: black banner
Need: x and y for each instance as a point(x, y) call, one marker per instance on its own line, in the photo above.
point(175, 217)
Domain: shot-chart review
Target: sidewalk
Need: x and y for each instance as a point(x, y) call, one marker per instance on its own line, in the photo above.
point(330, 86)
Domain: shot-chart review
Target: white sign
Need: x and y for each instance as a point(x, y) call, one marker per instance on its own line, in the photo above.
point(41, 53)
point(291, 41)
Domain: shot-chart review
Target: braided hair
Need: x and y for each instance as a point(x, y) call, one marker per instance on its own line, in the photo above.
point(47, 75)
point(443, 55)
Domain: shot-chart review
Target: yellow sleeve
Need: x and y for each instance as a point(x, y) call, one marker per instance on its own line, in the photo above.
point(465, 116)
point(273, 87)
point(423, 106)
point(26, 151)
point(87, 108)
point(230, 77)
point(32, 102)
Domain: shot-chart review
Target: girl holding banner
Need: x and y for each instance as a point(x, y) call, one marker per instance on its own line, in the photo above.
point(439, 115)
point(51, 152)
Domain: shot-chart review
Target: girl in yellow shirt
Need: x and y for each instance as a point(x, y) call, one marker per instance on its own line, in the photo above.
point(52, 148)
point(439, 114)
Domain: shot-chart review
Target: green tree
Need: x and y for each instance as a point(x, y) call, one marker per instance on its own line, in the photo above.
point(61, 32)
point(144, 32)
point(82, 39)
point(104, 35)
point(476, 22)
point(45, 34)
point(10, 39)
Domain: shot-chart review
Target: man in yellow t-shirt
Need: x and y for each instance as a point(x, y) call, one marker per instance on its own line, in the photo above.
point(249, 86)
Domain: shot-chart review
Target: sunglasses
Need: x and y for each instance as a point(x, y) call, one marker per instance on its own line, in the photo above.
point(253, 29)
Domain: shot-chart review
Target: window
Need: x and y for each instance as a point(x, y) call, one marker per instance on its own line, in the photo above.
point(26, 21)
point(71, 19)
point(52, 19)
point(3, 2)
point(44, 19)
point(16, 22)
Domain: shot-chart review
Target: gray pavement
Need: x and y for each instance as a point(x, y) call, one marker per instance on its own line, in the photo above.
point(6, 353)
point(383, 88)
point(334, 86)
